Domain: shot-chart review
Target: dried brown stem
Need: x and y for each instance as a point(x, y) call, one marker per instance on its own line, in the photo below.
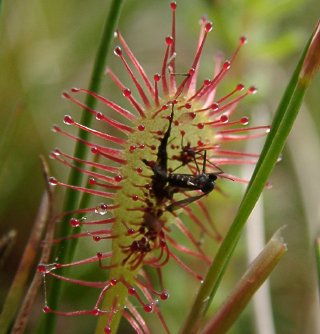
point(45, 211)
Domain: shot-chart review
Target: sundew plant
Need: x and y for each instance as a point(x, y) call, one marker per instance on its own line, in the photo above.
point(170, 152)
point(147, 204)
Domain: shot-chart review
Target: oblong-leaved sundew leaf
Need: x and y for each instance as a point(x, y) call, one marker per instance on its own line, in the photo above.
point(160, 157)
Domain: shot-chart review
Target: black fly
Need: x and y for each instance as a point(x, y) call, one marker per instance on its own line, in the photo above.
point(165, 185)
point(202, 181)
point(187, 182)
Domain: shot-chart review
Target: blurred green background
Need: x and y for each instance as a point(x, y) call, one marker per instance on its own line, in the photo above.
point(49, 46)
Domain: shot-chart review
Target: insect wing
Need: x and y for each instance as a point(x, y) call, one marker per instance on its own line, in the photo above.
point(179, 204)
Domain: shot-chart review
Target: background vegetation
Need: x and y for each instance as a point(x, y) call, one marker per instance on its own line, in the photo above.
point(48, 47)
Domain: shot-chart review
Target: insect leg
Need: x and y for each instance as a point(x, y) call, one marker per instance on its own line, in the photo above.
point(204, 162)
point(162, 156)
point(195, 161)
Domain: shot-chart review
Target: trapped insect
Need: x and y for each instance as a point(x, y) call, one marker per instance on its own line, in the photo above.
point(166, 184)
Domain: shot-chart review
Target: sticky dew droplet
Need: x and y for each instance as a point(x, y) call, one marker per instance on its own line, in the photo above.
point(65, 95)
point(132, 148)
point(148, 308)
point(99, 116)
point(169, 40)
point(46, 268)
point(243, 40)
point(95, 312)
point(214, 107)
point(134, 197)
point(113, 282)
point(118, 178)
point(68, 120)
point(53, 181)
point(57, 152)
point(252, 90)
point(126, 92)
point(74, 222)
point(56, 128)
point(117, 51)
point(240, 87)
point(200, 278)
point(94, 150)
point(173, 5)
point(101, 209)
point(224, 119)
point(139, 170)
point(208, 26)
point(46, 309)
point(131, 231)
point(200, 126)
point(157, 77)
point(107, 330)
point(42, 268)
point(164, 295)
point(226, 65)
point(92, 181)
point(244, 120)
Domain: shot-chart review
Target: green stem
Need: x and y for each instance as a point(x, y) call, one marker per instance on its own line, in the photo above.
point(281, 126)
point(75, 178)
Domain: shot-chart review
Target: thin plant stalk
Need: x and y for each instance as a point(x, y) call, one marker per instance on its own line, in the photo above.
point(261, 301)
